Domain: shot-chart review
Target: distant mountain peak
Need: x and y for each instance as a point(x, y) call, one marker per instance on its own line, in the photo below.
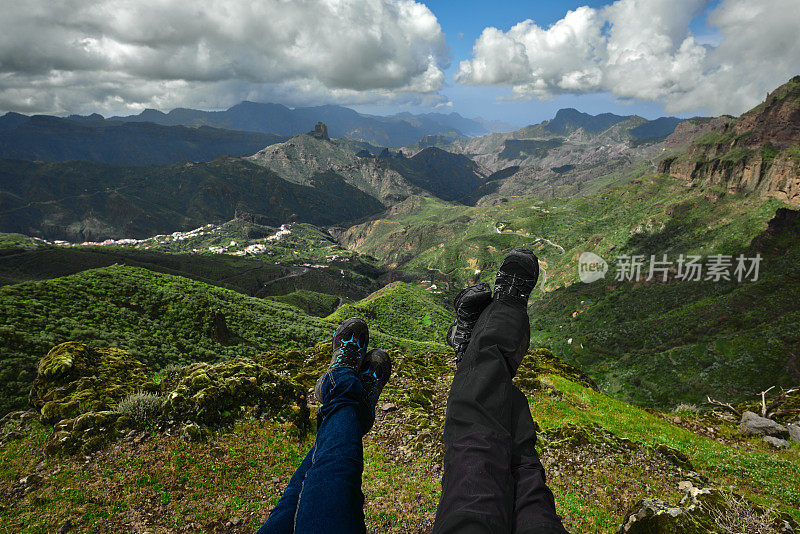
point(568, 120)
point(320, 132)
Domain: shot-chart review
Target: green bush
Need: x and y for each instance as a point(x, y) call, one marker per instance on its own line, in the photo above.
point(142, 407)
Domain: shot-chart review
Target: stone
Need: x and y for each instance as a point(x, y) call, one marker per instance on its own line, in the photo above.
point(30, 482)
point(794, 432)
point(65, 527)
point(191, 432)
point(777, 442)
point(388, 407)
point(755, 425)
point(651, 516)
point(235, 520)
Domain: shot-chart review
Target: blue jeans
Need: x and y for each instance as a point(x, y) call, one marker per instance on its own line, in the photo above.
point(324, 494)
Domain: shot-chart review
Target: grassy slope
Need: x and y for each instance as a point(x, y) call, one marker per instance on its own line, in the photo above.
point(660, 344)
point(402, 310)
point(161, 318)
point(165, 484)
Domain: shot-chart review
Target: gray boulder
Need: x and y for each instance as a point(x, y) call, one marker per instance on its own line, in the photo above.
point(794, 432)
point(650, 516)
point(777, 442)
point(755, 425)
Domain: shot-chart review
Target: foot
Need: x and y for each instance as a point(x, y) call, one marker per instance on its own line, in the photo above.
point(349, 345)
point(469, 304)
point(517, 277)
point(374, 374)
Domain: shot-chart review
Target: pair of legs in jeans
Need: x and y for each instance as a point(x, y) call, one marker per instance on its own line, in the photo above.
point(493, 481)
point(324, 494)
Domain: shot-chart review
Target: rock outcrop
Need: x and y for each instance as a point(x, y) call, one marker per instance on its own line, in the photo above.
point(320, 132)
point(81, 390)
point(794, 432)
point(755, 425)
point(758, 153)
point(703, 509)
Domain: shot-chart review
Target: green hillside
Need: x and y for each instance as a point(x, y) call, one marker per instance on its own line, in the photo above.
point(660, 344)
point(80, 200)
point(650, 212)
point(652, 344)
point(403, 310)
point(161, 319)
point(601, 456)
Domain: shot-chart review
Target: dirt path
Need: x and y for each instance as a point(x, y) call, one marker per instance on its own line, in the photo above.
point(535, 238)
point(298, 271)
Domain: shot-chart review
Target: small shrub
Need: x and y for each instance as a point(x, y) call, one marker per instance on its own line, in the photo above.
point(686, 408)
point(738, 516)
point(142, 407)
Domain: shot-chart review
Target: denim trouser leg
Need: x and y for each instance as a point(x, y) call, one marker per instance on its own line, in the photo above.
point(324, 494)
point(281, 518)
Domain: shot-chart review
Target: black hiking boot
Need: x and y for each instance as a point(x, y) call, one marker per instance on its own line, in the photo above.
point(349, 345)
point(469, 304)
point(374, 374)
point(516, 277)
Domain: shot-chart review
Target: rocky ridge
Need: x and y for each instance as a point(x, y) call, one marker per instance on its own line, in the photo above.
point(758, 153)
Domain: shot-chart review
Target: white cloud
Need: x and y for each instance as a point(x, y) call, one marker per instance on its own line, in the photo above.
point(116, 55)
point(646, 51)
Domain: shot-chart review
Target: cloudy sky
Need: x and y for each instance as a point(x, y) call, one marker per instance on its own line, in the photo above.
point(513, 61)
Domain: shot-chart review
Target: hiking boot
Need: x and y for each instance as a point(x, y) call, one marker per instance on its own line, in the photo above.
point(469, 304)
point(374, 374)
point(517, 277)
point(349, 345)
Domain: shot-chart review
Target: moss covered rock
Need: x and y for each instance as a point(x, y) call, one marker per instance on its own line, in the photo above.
point(87, 432)
point(704, 510)
point(303, 367)
point(215, 394)
point(75, 379)
point(540, 362)
point(572, 435)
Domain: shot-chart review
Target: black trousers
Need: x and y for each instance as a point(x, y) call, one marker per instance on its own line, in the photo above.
point(493, 480)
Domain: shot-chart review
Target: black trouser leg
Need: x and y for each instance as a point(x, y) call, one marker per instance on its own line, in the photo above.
point(477, 484)
point(485, 464)
point(534, 505)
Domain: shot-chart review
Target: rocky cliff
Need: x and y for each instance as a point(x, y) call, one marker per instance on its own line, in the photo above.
point(757, 153)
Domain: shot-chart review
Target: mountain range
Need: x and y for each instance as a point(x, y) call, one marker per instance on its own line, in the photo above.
point(391, 131)
point(47, 138)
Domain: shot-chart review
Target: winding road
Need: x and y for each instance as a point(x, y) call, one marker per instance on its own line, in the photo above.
point(536, 240)
point(298, 271)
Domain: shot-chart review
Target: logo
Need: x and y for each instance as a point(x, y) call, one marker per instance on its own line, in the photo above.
point(591, 267)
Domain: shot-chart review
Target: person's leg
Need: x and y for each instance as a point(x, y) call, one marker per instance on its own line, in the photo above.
point(324, 493)
point(534, 505)
point(281, 518)
point(477, 484)
point(330, 498)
